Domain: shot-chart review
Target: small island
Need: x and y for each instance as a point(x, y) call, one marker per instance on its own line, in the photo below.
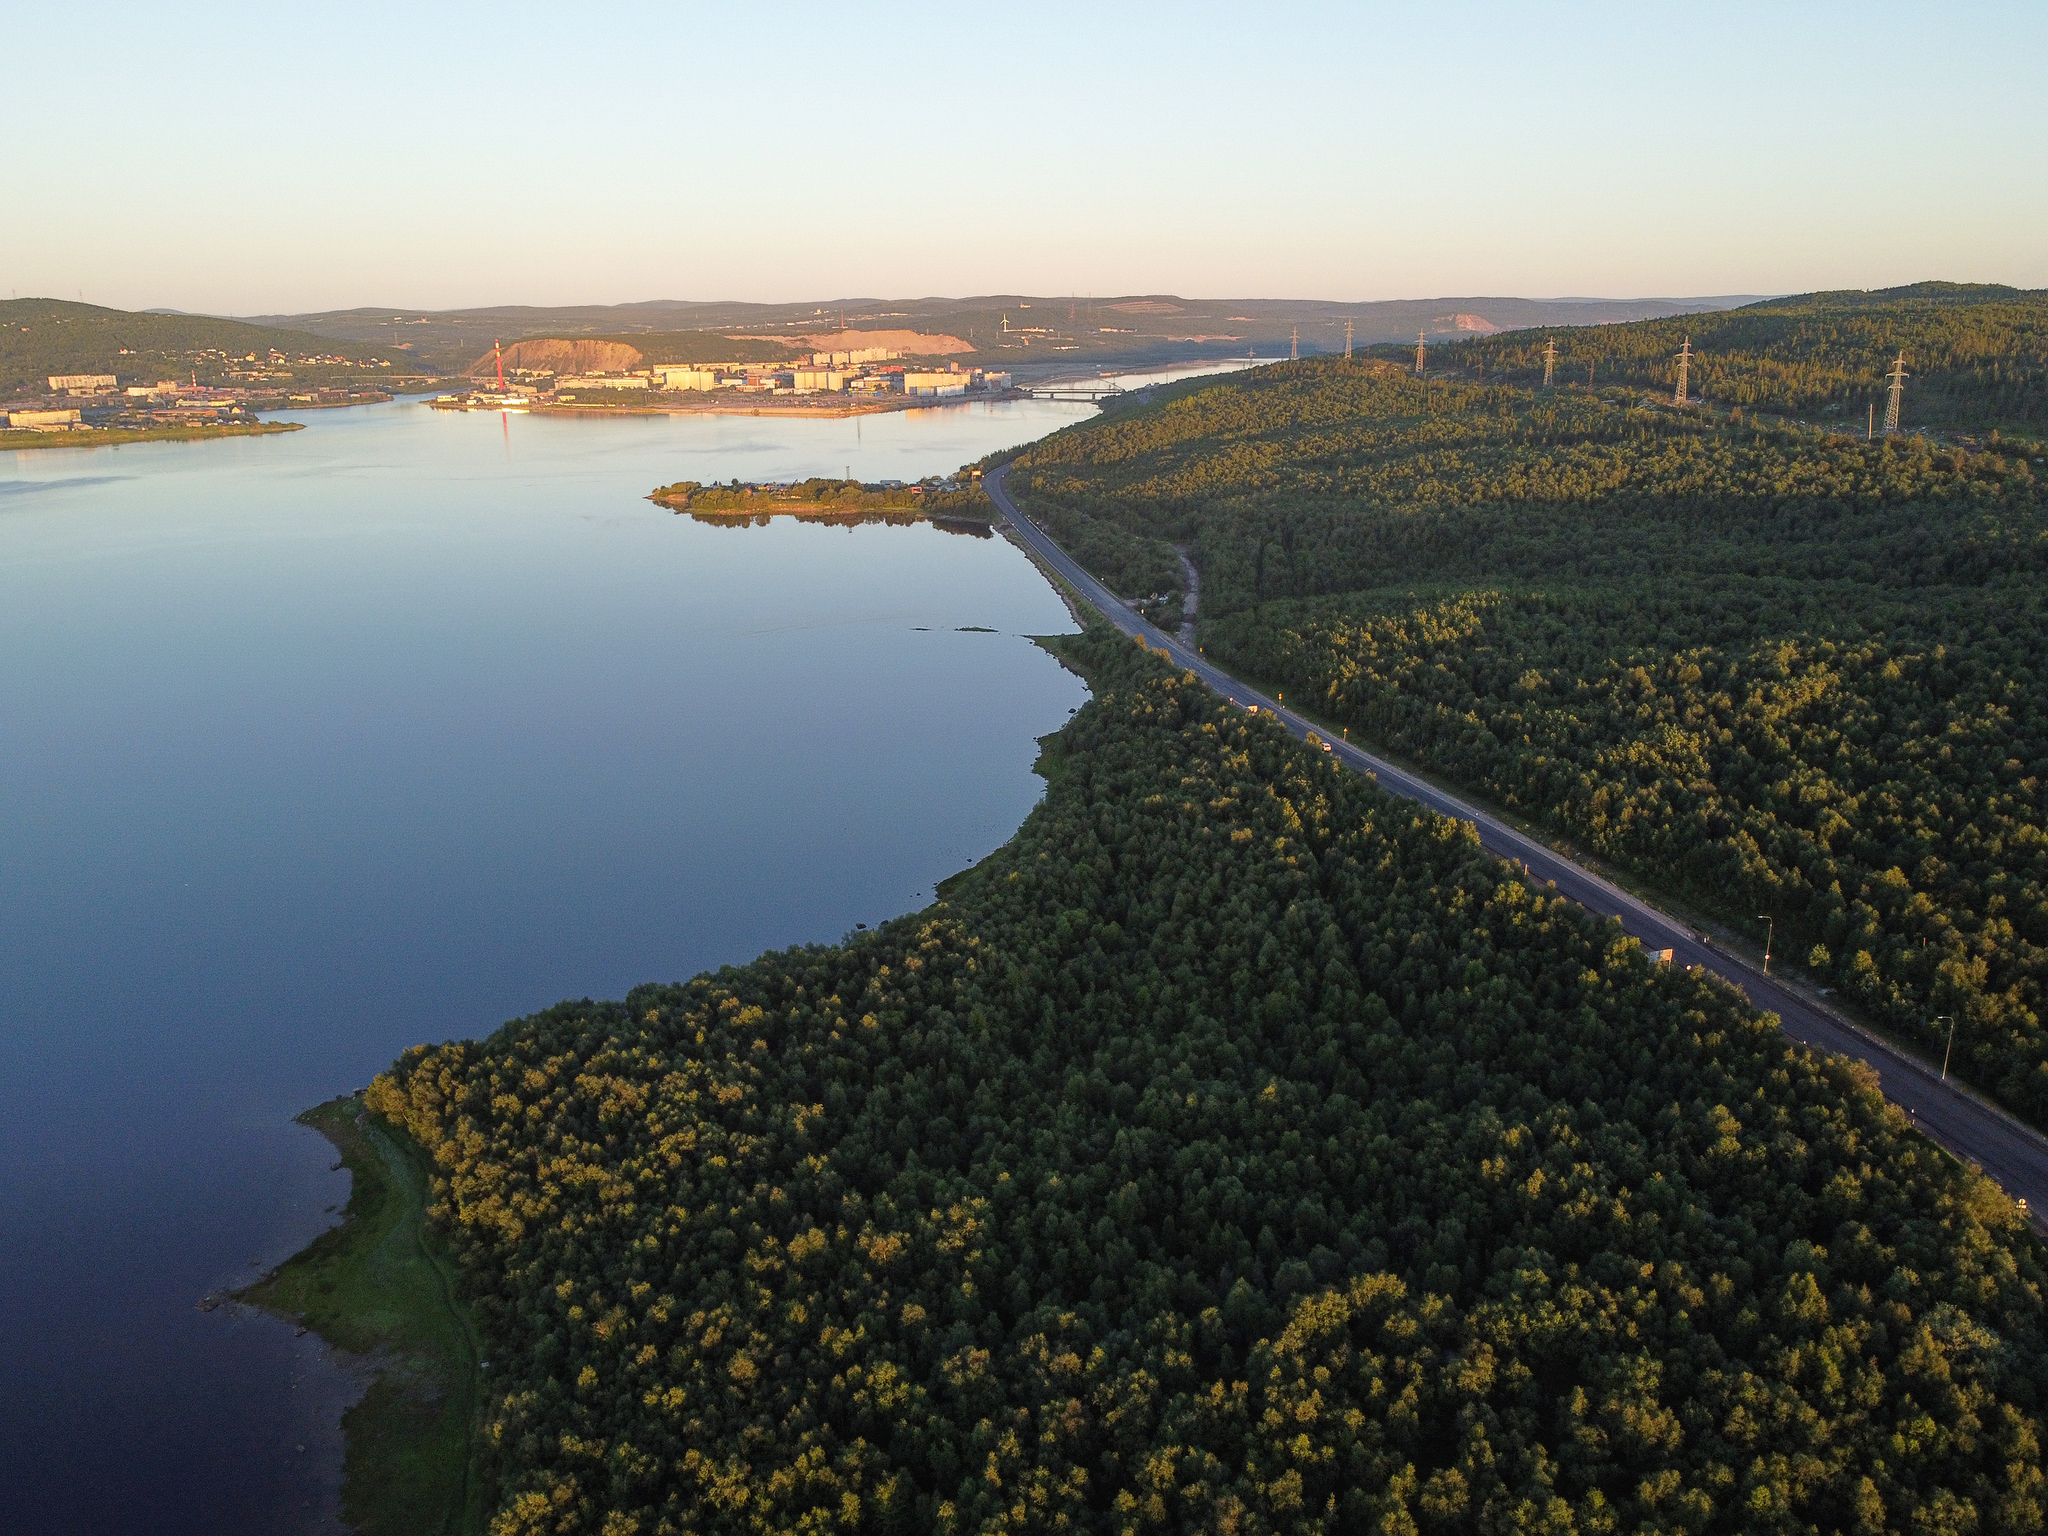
point(958, 505)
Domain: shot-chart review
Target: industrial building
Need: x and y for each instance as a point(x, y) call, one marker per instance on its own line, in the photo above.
point(688, 376)
point(852, 359)
point(936, 385)
point(865, 371)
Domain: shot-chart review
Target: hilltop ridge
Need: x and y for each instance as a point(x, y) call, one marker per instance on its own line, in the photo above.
point(1013, 327)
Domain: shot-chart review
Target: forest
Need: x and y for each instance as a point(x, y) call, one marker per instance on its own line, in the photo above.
point(1790, 675)
point(1238, 1149)
point(1976, 353)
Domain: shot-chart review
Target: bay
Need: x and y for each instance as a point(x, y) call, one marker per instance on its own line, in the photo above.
point(316, 746)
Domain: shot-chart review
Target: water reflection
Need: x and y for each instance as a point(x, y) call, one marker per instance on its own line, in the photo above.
point(321, 744)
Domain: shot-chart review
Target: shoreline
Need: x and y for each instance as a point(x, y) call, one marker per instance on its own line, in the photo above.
point(1200, 366)
point(380, 1291)
point(120, 437)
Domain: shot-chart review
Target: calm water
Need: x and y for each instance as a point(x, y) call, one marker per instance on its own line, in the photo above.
point(312, 747)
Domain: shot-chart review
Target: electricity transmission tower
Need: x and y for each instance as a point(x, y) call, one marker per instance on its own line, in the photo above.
point(1549, 360)
point(1294, 346)
point(1897, 380)
point(1347, 338)
point(1684, 363)
point(1418, 355)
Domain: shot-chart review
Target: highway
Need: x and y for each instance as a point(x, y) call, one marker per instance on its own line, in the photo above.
point(1953, 1117)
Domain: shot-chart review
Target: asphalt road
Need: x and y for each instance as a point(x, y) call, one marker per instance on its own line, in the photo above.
point(1975, 1131)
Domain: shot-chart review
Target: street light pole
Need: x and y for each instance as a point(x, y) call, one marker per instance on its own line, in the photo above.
point(1770, 933)
point(1950, 1018)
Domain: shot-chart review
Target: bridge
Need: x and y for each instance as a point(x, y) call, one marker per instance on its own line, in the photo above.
point(1091, 393)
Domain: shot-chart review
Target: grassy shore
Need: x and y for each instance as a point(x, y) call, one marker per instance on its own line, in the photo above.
point(379, 1285)
point(96, 437)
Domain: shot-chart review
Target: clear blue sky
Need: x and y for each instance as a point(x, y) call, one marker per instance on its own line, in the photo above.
point(244, 159)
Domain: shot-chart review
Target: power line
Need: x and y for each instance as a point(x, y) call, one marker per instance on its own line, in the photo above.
point(1897, 378)
point(1419, 355)
point(1294, 346)
point(1684, 363)
point(1347, 338)
point(1549, 359)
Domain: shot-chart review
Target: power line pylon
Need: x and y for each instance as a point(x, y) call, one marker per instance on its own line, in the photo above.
point(1897, 380)
point(1684, 364)
point(1347, 340)
point(1294, 346)
point(1549, 359)
point(1418, 355)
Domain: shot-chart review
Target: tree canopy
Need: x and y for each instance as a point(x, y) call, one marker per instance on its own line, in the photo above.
point(1779, 671)
point(1237, 1149)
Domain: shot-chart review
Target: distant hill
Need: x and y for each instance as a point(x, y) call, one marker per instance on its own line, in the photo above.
point(1026, 330)
point(39, 337)
point(1976, 355)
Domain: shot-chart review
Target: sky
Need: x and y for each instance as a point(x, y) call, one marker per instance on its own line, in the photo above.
point(243, 159)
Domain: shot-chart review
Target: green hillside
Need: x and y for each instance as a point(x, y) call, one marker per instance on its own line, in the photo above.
point(1237, 1150)
point(1772, 670)
point(39, 337)
point(1977, 355)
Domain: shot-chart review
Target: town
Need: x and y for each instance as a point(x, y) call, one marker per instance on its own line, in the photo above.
point(88, 402)
point(865, 378)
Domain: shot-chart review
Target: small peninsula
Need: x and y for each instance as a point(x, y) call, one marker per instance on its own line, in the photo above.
point(82, 435)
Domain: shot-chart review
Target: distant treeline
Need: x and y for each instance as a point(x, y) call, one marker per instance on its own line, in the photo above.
point(1781, 672)
point(1977, 355)
point(1237, 1150)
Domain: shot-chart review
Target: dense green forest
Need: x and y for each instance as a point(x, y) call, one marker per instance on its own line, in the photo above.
point(39, 337)
point(1239, 1149)
point(1977, 355)
point(1787, 672)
